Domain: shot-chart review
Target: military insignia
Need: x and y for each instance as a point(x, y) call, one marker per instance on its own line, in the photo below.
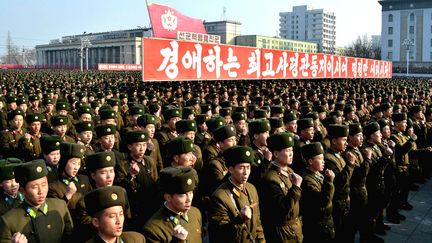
point(114, 196)
point(232, 128)
point(290, 139)
point(189, 181)
point(282, 185)
point(36, 118)
point(108, 129)
point(220, 123)
point(152, 118)
point(89, 124)
point(140, 110)
point(112, 114)
point(49, 226)
point(248, 153)
point(39, 169)
point(82, 185)
point(193, 124)
point(259, 161)
point(81, 150)
point(191, 145)
point(108, 158)
point(236, 192)
point(57, 144)
point(142, 136)
point(176, 112)
point(61, 120)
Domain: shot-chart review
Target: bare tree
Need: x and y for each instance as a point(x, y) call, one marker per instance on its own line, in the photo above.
point(363, 47)
point(15, 55)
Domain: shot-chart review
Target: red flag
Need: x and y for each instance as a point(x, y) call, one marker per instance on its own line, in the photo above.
point(166, 21)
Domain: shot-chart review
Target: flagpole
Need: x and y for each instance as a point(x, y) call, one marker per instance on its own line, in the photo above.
point(148, 11)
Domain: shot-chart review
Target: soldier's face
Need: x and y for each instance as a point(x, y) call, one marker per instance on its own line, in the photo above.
point(240, 125)
point(62, 112)
point(291, 126)
point(72, 167)
point(240, 173)
point(35, 127)
point(107, 141)
point(49, 107)
point(35, 191)
point(339, 144)
point(103, 177)
point(53, 157)
point(190, 135)
point(316, 163)
point(284, 156)
point(356, 140)
point(307, 133)
point(180, 202)
point(261, 138)
point(171, 122)
point(228, 143)
point(137, 149)
point(109, 122)
point(10, 187)
point(150, 129)
point(86, 117)
point(23, 107)
point(385, 132)
point(401, 125)
point(60, 130)
point(17, 122)
point(85, 136)
point(186, 159)
point(110, 223)
point(376, 137)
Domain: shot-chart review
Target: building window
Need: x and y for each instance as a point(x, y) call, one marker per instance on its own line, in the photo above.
point(390, 55)
point(390, 43)
point(411, 29)
point(390, 18)
point(412, 17)
point(390, 30)
point(430, 56)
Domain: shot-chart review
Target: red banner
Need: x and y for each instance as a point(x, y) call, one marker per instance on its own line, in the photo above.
point(166, 21)
point(177, 60)
point(11, 66)
point(118, 67)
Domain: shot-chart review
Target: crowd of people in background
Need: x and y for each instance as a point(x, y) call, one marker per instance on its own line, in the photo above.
point(107, 157)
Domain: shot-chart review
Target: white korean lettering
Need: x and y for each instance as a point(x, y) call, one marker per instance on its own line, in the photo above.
point(255, 63)
point(170, 56)
point(304, 65)
point(283, 64)
point(314, 65)
point(232, 63)
point(193, 60)
point(294, 65)
point(268, 65)
point(213, 61)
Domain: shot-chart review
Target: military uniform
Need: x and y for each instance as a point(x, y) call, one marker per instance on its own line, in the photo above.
point(7, 201)
point(9, 142)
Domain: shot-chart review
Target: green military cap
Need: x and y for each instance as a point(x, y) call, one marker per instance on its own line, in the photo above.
point(275, 109)
point(205, 108)
point(397, 107)
point(214, 123)
point(146, 119)
point(7, 168)
point(354, 128)
point(260, 113)
point(136, 110)
point(415, 109)
point(103, 130)
point(336, 131)
point(62, 106)
point(238, 116)
point(385, 106)
point(21, 101)
point(153, 108)
point(397, 117)
point(105, 114)
point(186, 111)
point(225, 103)
point(11, 99)
point(382, 123)
point(50, 143)
point(201, 118)
point(279, 141)
point(252, 107)
point(259, 126)
point(275, 122)
point(319, 109)
point(17, 112)
point(113, 102)
point(172, 112)
point(85, 109)
point(240, 109)
point(136, 136)
point(59, 120)
point(348, 109)
point(313, 115)
point(30, 171)
point(47, 101)
point(123, 96)
point(223, 132)
point(103, 198)
point(180, 145)
point(178, 180)
point(238, 154)
point(100, 160)
point(186, 125)
point(225, 111)
point(84, 126)
point(71, 150)
point(289, 117)
point(108, 92)
point(304, 123)
point(34, 117)
point(193, 101)
point(371, 128)
point(311, 150)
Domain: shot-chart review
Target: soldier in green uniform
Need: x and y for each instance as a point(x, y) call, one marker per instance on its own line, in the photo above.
point(188, 129)
point(306, 131)
point(108, 117)
point(404, 145)
point(148, 123)
point(240, 124)
point(10, 137)
point(51, 154)
point(48, 112)
point(106, 141)
point(259, 132)
point(280, 193)
point(37, 219)
point(234, 214)
point(60, 128)
point(181, 152)
point(290, 121)
point(211, 150)
point(70, 186)
point(202, 137)
point(342, 168)
point(84, 134)
point(317, 195)
point(29, 147)
point(107, 207)
point(10, 196)
point(138, 175)
point(168, 133)
point(177, 220)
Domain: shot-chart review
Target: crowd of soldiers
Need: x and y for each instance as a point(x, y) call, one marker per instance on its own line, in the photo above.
point(105, 157)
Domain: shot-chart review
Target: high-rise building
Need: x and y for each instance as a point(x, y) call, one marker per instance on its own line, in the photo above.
point(308, 24)
point(226, 29)
point(406, 31)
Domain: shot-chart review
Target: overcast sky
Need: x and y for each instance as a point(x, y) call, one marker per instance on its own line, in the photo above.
point(33, 22)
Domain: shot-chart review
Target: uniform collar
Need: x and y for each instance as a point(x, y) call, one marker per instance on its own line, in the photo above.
point(175, 216)
point(67, 181)
point(280, 169)
point(32, 211)
point(9, 199)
